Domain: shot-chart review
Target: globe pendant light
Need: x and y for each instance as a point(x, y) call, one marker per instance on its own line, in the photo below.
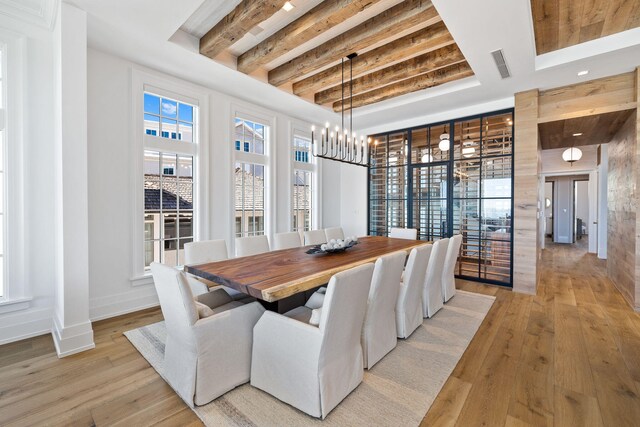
point(444, 141)
point(572, 155)
point(467, 146)
point(426, 156)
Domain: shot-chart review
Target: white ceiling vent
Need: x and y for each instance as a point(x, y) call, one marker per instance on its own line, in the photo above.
point(498, 57)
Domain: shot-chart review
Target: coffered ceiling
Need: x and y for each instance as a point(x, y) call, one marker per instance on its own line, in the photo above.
point(588, 130)
point(401, 46)
point(562, 23)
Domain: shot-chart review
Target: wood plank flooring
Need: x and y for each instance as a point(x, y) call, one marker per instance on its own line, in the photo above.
point(569, 356)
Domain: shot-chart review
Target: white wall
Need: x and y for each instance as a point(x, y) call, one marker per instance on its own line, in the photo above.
point(35, 314)
point(353, 203)
point(552, 162)
point(603, 175)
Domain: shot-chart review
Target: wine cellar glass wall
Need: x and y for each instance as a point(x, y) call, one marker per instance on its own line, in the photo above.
point(417, 180)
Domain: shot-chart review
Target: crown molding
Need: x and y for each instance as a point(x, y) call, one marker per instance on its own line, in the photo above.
point(38, 12)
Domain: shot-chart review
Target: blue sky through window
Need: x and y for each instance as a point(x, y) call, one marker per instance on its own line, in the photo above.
point(151, 104)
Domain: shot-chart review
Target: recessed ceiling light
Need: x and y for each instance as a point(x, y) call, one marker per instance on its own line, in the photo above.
point(288, 6)
point(577, 134)
point(583, 73)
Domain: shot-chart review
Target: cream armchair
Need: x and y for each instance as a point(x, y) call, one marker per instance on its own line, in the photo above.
point(379, 332)
point(204, 357)
point(409, 307)
point(448, 273)
point(201, 253)
point(432, 291)
point(315, 368)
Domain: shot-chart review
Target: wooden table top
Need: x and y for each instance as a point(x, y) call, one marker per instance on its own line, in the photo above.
point(275, 275)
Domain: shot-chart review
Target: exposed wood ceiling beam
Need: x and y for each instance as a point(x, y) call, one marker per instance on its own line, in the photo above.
point(236, 24)
point(313, 23)
point(400, 17)
point(402, 70)
point(438, 77)
point(419, 42)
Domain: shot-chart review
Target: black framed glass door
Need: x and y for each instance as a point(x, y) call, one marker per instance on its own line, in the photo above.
point(430, 201)
point(450, 178)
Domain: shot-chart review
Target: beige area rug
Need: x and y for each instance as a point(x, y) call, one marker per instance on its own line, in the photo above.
point(398, 391)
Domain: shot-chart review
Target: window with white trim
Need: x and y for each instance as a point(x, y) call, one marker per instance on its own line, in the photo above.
point(169, 151)
point(304, 188)
point(3, 192)
point(250, 177)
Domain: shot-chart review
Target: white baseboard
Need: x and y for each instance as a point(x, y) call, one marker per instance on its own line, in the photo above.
point(72, 339)
point(25, 324)
point(119, 304)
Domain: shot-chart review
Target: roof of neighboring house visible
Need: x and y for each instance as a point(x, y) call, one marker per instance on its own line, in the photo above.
point(152, 201)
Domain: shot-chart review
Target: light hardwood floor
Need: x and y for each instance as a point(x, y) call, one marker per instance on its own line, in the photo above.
point(569, 356)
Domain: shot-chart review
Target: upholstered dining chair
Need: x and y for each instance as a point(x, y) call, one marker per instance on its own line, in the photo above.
point(333, 233)
point(448, 272)
point(379, 335)
point(203, 252)
point(314, 237)
point(432, 288)
point(252, 245)
point(286, 240)
point(403, 233)
point(208, 346)
point(409, 306)
point(313, 368)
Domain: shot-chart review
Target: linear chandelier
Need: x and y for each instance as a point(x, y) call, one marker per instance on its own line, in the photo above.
point(341, 144)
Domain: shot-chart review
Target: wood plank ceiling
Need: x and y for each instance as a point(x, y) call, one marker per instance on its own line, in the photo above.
point(404, 48)
point(596, 129)
point(562, 23)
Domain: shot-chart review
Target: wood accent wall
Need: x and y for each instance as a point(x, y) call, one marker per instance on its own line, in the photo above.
point(599, 96)
point(622, 210)
point(561, 23)
point(526, 156)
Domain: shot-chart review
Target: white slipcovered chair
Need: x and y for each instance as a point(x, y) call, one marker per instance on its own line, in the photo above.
point(448, 273)
point(379, 335)
point(409, 306)
point(333, 233)
point(204, 357)
point(315, 368)
point(314, 237)
point(403, 233)
point(286, 240)
point(252, 245)
point(432, 288)
point(201, 253)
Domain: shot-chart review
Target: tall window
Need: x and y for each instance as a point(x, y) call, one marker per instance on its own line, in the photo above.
point(303, 184)
point(2, 177)
point(168, 178)
point(250, 175)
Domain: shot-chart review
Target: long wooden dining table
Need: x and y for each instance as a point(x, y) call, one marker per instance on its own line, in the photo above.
point(276, 275)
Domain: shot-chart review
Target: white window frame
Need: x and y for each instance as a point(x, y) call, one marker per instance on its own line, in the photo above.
point(314, 166)
point(267, 160)
point(16, 293)
point(141, 82)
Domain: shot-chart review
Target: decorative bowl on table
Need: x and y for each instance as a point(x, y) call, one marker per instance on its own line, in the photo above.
point(334, 246)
